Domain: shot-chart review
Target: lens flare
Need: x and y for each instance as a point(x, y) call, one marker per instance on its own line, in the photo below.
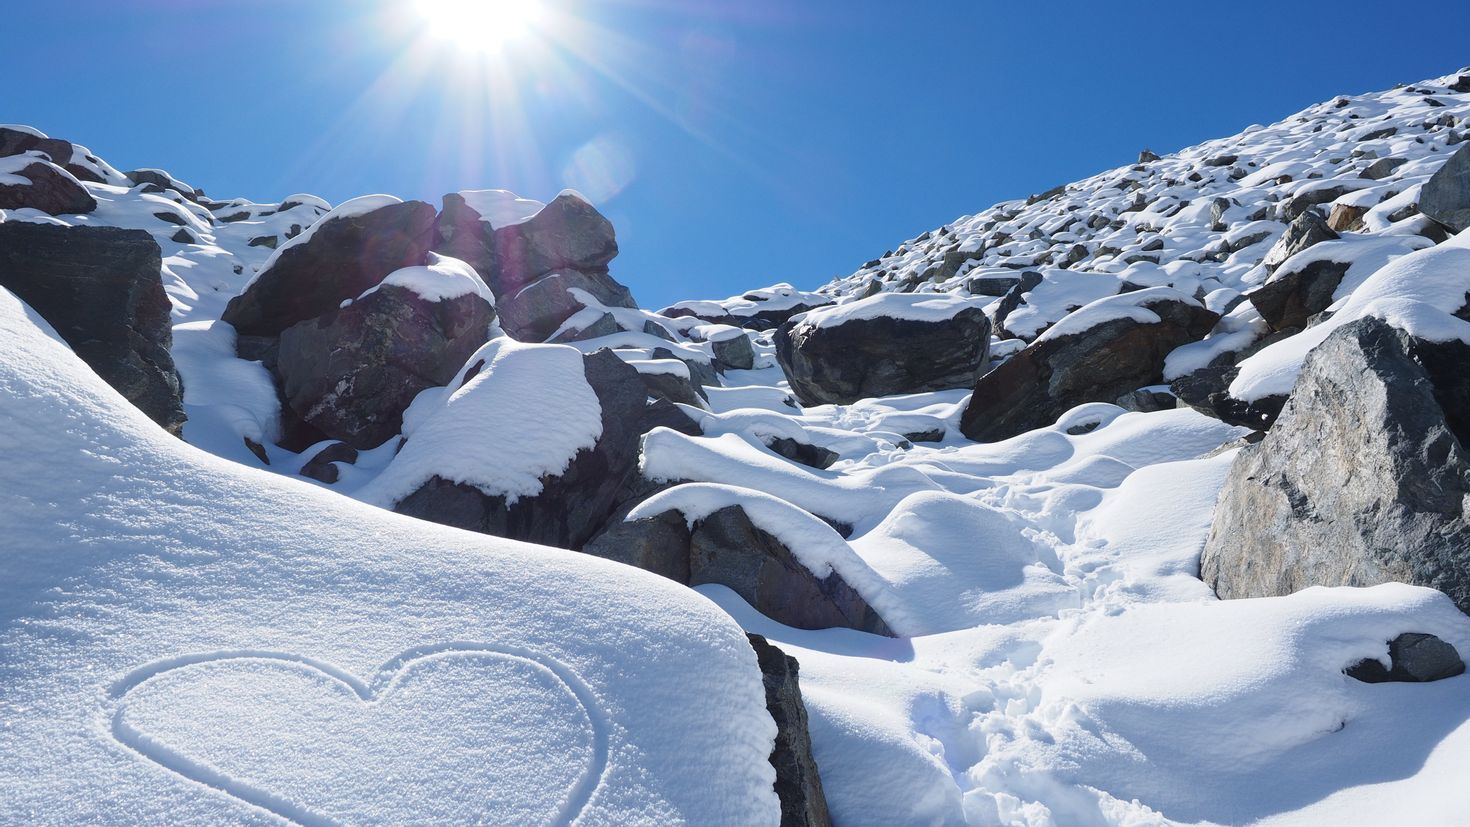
point(480, 25)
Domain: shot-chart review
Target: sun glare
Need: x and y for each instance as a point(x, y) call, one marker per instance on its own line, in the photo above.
point(480, 25)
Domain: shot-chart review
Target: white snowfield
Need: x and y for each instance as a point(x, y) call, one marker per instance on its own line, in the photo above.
point(187, 641)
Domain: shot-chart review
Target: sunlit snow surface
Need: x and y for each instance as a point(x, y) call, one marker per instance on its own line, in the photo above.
point(1061, 664)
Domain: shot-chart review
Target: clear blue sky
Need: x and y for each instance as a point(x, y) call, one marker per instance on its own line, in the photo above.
point(733, 143)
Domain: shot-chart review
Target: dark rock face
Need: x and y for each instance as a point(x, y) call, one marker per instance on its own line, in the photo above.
point(534, 312)
point(321, 466)
point(352, 372)
point(673, 388)
point(805, 453)
point(1013, 298)
point(1040, 383)
point(14, 142)
point(1207, 390)
point(728, 549)
point(840, 364)
point(1362, 480)
point(164, 181)
point(102, 289)
point(1416, 658)
point(570, 507)
point(1307, 229)
point(798, 783)
point(1446, 195)
point(734, 352)
point(52, 191)
point(342, 259)
point(1296, 294)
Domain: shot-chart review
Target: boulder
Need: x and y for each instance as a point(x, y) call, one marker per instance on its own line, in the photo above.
point(1362, 480)
point(566, 234)
point(341, 257)
point(1066, 367)
point(671, 385)
point(570, 506)
point(1346, 218)
point(164, 181)
point(1306, 229)
point(18, 141)
point(1415, 658)
point(728, 549)
point(1446, 195)
point(322, 465)
point(1297, 292)
point(101, 288)
point(352, 372)
point(533, 313)
point(52, 190)
point(1207, 390)
point(733, 351)
point(842, 357)
point(1382, 168)
point(798, 781)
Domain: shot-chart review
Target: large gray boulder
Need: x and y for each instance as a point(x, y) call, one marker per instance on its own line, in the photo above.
point(1297, 292)
point(51, 189)
point(798, 782)
point(1362, 480)
point(352, 372)
point(726, 548)
point(101, 288)
point(1446, 195)
point(341, 259)
point(1097, 364)
point(571, 506)
point(860, 358)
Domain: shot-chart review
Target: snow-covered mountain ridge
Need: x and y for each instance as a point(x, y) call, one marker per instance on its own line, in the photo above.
point(988, 492)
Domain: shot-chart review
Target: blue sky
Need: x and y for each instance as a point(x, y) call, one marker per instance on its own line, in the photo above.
point(734, 143)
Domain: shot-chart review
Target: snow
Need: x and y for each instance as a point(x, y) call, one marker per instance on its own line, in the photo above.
point(501, 208)
point(443, 278)
point(485, 431)
point(208, 643)
point(919, 307)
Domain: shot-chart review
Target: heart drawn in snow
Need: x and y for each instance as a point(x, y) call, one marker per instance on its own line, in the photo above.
point(461, 733)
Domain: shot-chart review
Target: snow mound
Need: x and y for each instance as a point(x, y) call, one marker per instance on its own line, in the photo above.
point(212, 644)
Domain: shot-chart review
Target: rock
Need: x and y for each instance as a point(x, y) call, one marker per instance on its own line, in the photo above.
point(1304, 201)
point(1346, 219)
point(164, 181)
point(352, 372)
point(673, 387)
point(813, 456)
point(1382, 168)
point(661, 413)
point(1013, 297)
point(1416, 658)
point(101, 288)
point(733, 351)
point(52, 190)
point(1147, 156)
point(798, 781)
point(572, 505)
point(16, 142)
point(991, 285)
point(882, 356)
point(566, 234)
point(1207, 390)
point(534, 313)
point(701, 374)
point(1058, 372)
point(342, 258)
point(1298, 292)
point(727, 548)
point(321, 468)
point(1362, 480)
point(1306, 229)
point(605, 325)
point(1446, 195)
point(1144, 400)
point(1218, 208)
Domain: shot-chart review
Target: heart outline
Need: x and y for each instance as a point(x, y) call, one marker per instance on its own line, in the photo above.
point(368, 692)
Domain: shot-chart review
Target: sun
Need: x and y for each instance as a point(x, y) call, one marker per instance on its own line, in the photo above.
point(480, 25)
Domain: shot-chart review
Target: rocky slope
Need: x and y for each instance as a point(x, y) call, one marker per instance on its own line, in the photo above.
point(969, 489)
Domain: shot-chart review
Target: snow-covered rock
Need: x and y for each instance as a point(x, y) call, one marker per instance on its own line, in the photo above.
point(891, 343)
